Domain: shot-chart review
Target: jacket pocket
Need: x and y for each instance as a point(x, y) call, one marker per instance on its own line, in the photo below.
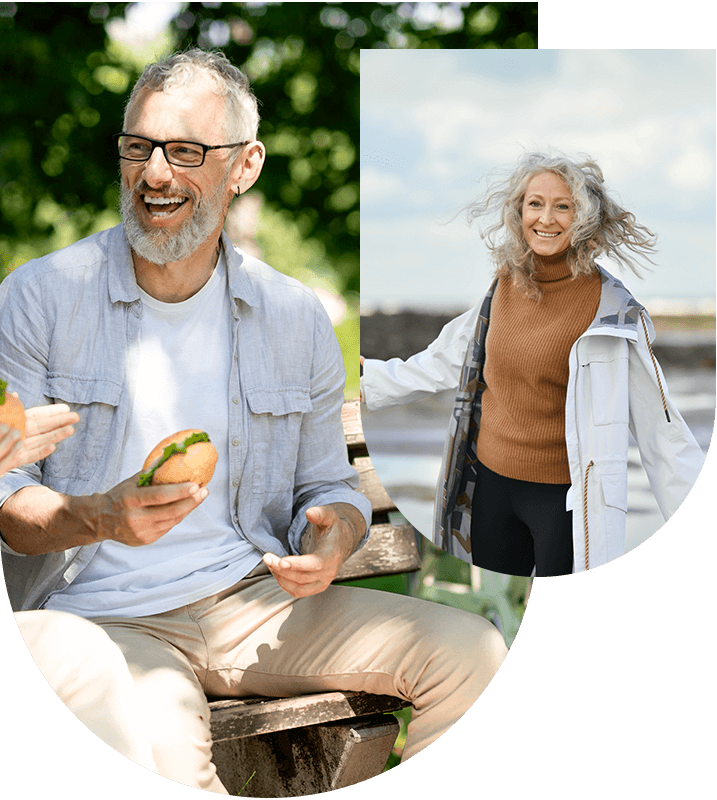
point(614, 490)
point(608, 382)
point(95, 400)
point(275, 429)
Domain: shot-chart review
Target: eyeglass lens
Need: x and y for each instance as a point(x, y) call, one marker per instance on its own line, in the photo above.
point(136, 148)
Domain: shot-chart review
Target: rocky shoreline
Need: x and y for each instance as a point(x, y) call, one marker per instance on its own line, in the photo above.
point(680, 342)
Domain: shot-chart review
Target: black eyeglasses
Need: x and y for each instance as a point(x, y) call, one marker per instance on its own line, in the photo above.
point(181, 154)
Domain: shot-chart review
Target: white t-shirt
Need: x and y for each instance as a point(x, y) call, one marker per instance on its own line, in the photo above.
point(183, 360)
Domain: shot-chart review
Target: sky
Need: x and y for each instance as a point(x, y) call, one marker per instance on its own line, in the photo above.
point(435, 123)
point(143, 22)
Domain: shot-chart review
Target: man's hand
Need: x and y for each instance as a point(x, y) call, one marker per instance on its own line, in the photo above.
point(37, 520)
point(46, 425)
point(333, 533)
point(135, 515)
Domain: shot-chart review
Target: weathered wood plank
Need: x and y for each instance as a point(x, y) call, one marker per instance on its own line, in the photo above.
point(390, 549)
point(308, 760)
point(234, 719)
point(353, 431)
point(372, 487)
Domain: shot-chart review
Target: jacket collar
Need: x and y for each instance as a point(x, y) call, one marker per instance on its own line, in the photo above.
point(123, 283)
point(619, 312)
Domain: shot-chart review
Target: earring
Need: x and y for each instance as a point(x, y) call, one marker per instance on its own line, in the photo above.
point(238, 191)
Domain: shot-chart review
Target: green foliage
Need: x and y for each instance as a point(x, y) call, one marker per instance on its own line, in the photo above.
point(63, 84)
point(61, 96)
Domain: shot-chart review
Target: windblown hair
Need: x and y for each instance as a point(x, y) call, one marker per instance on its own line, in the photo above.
point(181, 69)
point(601, 227)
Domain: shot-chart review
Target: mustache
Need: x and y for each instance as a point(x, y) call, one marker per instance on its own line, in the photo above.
point(143, 187)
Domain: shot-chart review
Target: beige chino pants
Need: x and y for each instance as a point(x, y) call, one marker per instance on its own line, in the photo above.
point(87, 671)
point(255, 639)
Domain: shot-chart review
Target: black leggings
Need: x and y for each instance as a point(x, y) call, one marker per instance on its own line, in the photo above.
point(517, 525)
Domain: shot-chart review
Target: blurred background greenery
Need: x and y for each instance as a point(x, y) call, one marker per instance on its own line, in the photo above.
point(66, 70)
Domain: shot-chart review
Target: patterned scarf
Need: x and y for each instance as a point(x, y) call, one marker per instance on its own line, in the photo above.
point(452, 522)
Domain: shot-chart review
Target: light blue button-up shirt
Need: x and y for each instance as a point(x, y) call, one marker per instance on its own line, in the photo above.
point(68, 322)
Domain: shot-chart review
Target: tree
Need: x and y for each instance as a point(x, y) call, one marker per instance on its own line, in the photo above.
point(63, 84)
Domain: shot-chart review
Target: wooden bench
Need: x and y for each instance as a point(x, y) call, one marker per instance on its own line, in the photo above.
point(314, 743)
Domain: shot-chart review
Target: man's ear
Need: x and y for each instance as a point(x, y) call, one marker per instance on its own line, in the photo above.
point(247, 168)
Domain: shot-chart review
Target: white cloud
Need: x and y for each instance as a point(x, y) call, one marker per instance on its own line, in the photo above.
point(379, 186)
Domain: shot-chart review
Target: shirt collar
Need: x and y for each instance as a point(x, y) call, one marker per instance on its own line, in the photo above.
point(123, 283)
point(241, 286)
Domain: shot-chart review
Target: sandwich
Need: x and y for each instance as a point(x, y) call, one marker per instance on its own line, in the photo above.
point(184, 456)
point(12, 412)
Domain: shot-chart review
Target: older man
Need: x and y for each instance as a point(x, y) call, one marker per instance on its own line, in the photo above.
point(161, 324)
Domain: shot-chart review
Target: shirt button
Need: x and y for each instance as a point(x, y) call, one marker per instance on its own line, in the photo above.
point(235, 482)
point(235, 399)
point(235, 442)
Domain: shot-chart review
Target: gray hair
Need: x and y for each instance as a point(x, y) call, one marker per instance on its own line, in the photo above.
point(181, 69)
point(600, 227)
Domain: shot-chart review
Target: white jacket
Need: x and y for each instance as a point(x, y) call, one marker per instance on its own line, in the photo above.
point(615, 385)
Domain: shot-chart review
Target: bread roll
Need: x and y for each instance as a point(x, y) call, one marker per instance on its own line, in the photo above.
point(184, 456)
point(12, 412)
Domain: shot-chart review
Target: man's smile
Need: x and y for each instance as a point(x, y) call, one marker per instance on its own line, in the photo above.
point(163, 206)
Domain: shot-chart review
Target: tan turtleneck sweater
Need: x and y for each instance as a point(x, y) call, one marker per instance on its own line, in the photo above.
point(522, 430)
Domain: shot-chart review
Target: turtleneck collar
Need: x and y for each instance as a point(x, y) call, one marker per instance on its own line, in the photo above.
point(551, 268)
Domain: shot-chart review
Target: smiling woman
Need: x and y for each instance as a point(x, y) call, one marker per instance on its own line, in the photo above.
point(551, 368)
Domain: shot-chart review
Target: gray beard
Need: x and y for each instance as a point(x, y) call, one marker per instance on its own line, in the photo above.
point(163, 247)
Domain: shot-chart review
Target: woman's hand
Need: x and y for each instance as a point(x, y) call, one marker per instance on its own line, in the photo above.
point(46, 426)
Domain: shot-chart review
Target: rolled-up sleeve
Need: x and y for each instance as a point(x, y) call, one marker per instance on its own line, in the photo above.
point(323, 474)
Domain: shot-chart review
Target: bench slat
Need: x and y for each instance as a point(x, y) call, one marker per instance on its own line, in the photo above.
point(372, 487)
point(234, 719)
point(351, 419)
point(390, 549)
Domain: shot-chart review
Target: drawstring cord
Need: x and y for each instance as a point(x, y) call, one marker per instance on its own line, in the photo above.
point(585, 515)
point(654, 364)
point(592, 463)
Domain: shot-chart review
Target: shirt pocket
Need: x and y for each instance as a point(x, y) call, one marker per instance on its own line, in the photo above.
point(275, 425)
point(96, 401)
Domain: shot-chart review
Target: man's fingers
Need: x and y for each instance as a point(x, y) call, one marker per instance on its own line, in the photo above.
point(164, 494)
point(299, 576)
point(143, 524)
point(274, 562)
point(295, 564)
point(321, 516)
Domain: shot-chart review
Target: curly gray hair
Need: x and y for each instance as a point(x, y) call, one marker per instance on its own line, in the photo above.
point(180, 69)
point(600, 225)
